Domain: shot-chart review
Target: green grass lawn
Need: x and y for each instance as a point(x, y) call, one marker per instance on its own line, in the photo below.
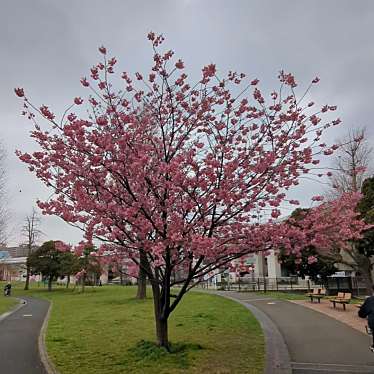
point(107, 331)
point(282, 295)
point(7, 303)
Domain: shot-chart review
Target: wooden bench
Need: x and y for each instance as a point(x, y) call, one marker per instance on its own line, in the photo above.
point(343, 298)
point(318, 293)
point(315, 292)
point(318, 296)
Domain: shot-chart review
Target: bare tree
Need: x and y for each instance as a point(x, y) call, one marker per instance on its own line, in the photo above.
point(3, 192)
point(31, 233)
point(351, 162)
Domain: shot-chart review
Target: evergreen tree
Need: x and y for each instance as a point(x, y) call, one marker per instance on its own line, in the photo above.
point(46, 260)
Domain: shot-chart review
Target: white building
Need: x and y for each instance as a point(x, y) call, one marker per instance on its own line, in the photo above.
point(255, 265)
point(12, 268)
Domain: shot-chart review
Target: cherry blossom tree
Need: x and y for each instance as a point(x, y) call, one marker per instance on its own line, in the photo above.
point(326, 227)
point(326, 232)
point(352, 164)
point(181, 171)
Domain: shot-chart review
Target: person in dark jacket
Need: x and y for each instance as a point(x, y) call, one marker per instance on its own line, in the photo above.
point(367, 311)
point(7, 289)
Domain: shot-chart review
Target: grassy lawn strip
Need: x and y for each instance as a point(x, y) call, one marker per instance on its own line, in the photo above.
point(106, 330)
point(6, 304)
point(282, 295)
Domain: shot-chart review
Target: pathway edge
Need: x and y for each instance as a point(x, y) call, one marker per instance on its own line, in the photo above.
point(277, 357)
point(21, 304)
point(48, 364)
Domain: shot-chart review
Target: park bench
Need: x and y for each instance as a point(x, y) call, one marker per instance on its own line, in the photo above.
point(343, 298)
point(315, 292)
point(318, 295)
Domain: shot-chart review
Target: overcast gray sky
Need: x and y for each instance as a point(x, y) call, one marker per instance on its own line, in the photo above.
point(46, 46)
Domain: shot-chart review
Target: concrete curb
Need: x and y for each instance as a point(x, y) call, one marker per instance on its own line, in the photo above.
point(21, 304)
point(277, 357)
point(47, 363)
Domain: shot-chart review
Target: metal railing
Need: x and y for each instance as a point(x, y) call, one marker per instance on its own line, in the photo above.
point(355, 285)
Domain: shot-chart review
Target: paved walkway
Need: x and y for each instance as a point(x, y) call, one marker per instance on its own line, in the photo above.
point(317, 343)
point(19, 335)
point(348, 316)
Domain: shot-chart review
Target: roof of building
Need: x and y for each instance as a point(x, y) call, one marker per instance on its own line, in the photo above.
point(20, 251)
point(4, 254)
point(13, 260)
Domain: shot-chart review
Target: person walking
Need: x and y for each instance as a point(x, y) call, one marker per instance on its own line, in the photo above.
point(367, 311)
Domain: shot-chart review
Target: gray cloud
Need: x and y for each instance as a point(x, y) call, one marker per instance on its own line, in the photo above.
point(47, 46)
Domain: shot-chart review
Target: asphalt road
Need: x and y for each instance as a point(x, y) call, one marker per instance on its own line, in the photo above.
point(317, 344)
point(19, 335)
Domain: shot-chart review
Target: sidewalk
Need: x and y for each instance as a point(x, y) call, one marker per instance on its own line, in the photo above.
point(317, 343)
point(348, 316)
point(19, 334)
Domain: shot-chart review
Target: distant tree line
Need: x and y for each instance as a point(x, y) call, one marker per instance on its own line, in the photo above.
point(52, 264)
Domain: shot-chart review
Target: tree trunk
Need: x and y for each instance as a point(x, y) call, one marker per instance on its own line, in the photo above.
point(142, 286)
point(364, 268)
point(368, 285)
point(68, 281)
point(162, 332)
point(142, 276)
point(161, 321)
point(366, 274)
point(27, 284)
point(50, 279)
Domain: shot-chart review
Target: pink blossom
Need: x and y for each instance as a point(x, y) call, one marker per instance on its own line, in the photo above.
point(209, 70)
point(102, 121)
point(78, 101)
point(112, 61)
point(19, 92)
point(102, 50)
point(71, 117)
point(152, 77)
point(328, 152)
point(179, 64)
point(312, 260)
point(62, 247)
point(47, 113)
point(84, 82)
point(275, 213)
